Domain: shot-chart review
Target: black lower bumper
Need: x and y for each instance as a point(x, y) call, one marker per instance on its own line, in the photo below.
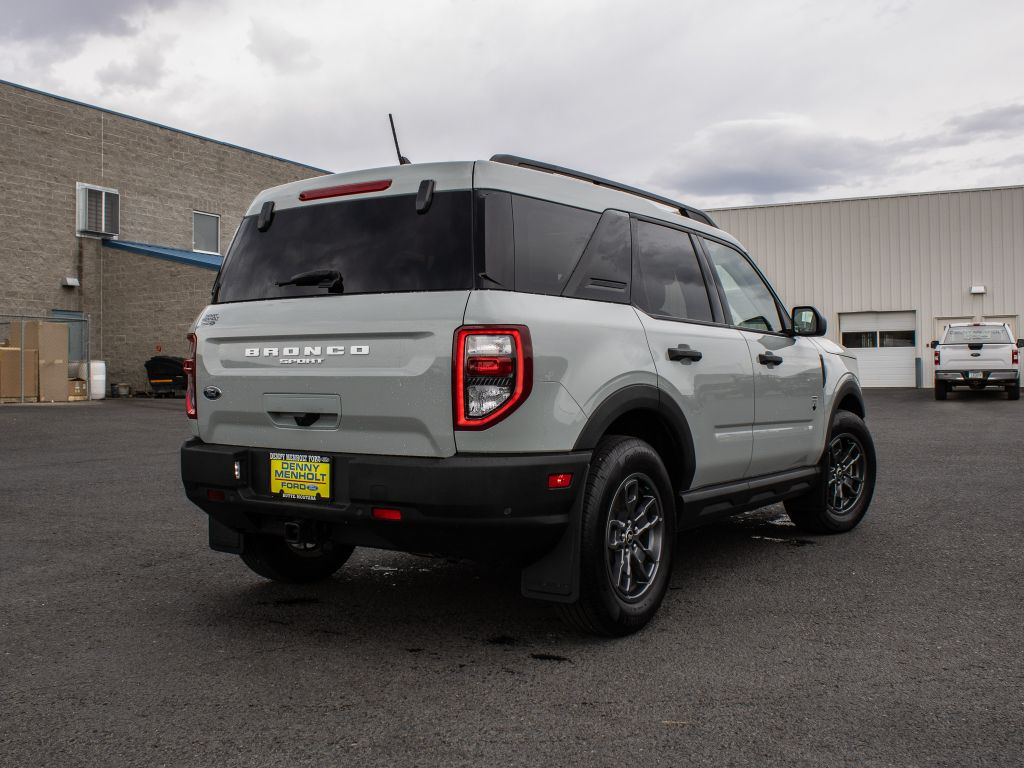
point(466, 505)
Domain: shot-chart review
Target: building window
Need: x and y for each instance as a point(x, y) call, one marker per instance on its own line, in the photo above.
point(99, 211)
point(896, 338)
point(205, 232)
point(860, 339)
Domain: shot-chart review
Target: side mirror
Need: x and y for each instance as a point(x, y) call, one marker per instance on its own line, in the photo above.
point(1020, 343)
point(934, 345)
point(807, 321)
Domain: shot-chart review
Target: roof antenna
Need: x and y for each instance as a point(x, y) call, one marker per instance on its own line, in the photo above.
point(402, 159)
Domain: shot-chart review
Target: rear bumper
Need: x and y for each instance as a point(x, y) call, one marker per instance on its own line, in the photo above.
point(1001, 377)
point(470, 505)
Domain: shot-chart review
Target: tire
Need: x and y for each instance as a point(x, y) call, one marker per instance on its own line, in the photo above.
point(1013, 393)
point(628, 523)
point(275, 559)
point(829, 507)
point(941, 390)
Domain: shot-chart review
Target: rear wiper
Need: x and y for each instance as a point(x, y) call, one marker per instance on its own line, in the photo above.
point(331, 278)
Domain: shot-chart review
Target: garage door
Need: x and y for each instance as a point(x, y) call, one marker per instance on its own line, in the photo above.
point(885, 344)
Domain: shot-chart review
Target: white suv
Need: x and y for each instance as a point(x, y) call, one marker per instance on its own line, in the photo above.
point(508, 359)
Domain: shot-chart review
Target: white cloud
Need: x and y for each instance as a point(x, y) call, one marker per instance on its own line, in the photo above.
point(722, 102)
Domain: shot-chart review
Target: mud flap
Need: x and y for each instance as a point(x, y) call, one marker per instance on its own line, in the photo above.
point(556, 576)
point(224, 539)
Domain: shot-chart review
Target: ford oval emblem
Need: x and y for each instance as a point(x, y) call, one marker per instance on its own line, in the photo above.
point(212, 393)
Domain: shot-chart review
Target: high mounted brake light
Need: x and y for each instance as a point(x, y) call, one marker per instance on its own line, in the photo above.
point(345, 189)
point(190, 372)
point(492, 374)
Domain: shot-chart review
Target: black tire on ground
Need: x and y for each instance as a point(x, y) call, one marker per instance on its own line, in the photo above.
point(847, 481)
point(1013, 393)
point(628, 538)
point(274, 558)
point(941, 390)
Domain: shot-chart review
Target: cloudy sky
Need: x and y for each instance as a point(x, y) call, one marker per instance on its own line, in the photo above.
point(718, 103)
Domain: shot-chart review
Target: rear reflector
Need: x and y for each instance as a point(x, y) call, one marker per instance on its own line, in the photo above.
point(561, 480)
point(189, 366)
point(215, 495)
point(386, 513)
point(345, 189)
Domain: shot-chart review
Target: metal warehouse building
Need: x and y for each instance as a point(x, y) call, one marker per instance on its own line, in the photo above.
point(890, 272)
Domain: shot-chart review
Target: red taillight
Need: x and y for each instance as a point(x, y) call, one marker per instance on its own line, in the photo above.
point(492, 373)
point(190, 373)
point(936, 357)
point(386, 513)
point(560, 480)
point(490, 366)
point(1014, 356)
point(345, 189)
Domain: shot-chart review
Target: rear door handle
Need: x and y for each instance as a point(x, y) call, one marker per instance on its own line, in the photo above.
point(683, 352)
point(767, 358)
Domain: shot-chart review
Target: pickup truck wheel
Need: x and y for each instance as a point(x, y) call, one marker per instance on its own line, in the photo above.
point(274, 558)
point(847, 481)
point(940, 390)
point(628, 537)
point(1013, 393)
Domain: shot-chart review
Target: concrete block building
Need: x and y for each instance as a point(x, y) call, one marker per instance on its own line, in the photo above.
point(118, 220)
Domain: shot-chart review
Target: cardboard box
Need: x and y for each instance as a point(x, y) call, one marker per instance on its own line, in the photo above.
point(53, 382)
point(50, 340)
point(77, 390)
point(11, 375)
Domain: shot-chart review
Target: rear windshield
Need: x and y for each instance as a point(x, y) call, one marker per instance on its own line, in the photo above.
point(977, 335)
point(375, 245)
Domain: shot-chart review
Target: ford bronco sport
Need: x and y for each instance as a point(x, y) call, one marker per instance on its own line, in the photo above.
point(507, 359)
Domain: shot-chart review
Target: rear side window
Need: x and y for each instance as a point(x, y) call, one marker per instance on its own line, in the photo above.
point(667, 281)
point(977, 335)
point(751, 304)
point(375, 245)
point(549, 239)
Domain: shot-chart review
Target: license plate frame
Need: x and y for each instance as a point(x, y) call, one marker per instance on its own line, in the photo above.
point(300, 476)
point(975, 374)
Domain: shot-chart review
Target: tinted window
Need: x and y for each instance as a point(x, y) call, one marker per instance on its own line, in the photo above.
point(896, 338)
point(977, 334)
point(860, 339)
point(668, 281)
point(378, 245)
point(750, 302)
point(549, 240)
point(603, 271)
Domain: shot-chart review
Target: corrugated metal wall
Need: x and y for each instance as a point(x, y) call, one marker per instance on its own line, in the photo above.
point(907, 252)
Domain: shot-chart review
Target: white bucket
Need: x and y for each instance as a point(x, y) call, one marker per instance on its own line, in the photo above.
point(96, 373)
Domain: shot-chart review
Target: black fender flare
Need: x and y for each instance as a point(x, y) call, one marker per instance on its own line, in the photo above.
point(643, 397)
point(847, 387)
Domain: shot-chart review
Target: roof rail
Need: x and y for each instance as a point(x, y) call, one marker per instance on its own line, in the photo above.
point(686, 210)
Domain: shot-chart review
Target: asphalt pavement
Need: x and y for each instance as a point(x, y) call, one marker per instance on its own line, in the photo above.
point(125, 641)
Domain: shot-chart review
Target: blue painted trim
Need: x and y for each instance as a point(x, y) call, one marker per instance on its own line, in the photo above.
point(202, 260)
point(160, 125)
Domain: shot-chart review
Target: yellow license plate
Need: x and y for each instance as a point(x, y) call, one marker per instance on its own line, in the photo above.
point(304, 476)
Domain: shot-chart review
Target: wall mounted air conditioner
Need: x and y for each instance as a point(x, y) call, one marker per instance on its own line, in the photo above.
point(99, 211)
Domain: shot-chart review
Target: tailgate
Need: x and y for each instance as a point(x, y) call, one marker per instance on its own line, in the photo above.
point(976, 357)
point(345, 374)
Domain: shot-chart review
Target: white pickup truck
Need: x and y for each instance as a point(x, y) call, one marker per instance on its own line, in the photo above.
point(977, 355)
